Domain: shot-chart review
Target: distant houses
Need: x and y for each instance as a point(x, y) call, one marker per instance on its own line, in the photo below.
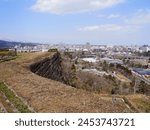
point(144, 48)
point(29, 49)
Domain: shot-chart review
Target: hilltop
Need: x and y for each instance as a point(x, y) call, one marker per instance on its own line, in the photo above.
point(46, 95)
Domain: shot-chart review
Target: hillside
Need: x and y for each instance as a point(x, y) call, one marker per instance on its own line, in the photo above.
point(10, 44)
point(46, 95)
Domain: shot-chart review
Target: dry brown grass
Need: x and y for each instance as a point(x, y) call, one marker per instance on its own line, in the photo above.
point(122, 78)
point(140, 102)
point(147, 77)
point(45, 95)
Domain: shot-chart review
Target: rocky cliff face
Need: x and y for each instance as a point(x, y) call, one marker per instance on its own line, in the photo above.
point(50, 67)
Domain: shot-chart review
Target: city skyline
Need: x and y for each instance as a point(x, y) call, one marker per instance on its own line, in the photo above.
point(76, 21)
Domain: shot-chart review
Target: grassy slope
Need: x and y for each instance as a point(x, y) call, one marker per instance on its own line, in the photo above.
point(46, 95)
point(16, 101)
point(140, 102)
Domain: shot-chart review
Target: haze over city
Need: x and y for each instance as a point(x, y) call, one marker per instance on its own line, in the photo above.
point(76, 21)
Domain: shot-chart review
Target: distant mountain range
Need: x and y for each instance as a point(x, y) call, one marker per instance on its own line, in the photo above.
point(11, 44)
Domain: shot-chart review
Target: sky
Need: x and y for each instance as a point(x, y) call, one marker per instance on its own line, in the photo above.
point(114, 22)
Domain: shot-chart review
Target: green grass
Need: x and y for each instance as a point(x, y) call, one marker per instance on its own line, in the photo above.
point(7, 59)
point(16, 101)
point(3, 53)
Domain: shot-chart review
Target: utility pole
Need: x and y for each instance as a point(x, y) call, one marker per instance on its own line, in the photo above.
point(15, 51)
point(137, 81)
point(135, 86)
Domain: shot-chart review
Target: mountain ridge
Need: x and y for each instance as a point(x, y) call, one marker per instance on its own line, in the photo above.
point(12, 44)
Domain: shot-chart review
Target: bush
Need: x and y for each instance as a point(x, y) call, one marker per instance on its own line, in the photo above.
point(143, 88)
point(53, 50)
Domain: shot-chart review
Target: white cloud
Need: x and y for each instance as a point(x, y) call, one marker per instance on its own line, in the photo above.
point(106, 28)
point(73, 6)
point(130, 24)
point(142, 17)
point(111, 16)
point(90, 28)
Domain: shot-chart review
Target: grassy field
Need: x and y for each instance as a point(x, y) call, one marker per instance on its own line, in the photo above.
point(16, 101)
point(46, 95)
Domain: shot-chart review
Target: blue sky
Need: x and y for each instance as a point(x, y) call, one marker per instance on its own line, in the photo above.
point(76, 21)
